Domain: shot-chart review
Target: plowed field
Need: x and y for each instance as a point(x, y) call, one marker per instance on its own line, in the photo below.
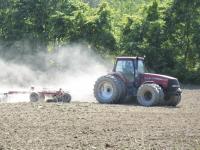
point(95, 126)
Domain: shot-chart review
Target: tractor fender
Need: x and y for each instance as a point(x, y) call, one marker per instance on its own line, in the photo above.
point(149, 82)
point(152, 82)
point(119, 75)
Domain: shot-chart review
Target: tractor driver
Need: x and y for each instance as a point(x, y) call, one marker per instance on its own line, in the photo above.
point(128, 70)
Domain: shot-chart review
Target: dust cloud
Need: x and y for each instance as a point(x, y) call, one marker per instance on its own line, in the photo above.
point(73, 68)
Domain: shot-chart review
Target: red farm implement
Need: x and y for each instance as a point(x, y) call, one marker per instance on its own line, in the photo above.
point(42, 95)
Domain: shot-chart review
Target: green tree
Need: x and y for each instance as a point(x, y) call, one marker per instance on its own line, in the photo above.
point(85, 24)
point(145, 37)
point(182, 34)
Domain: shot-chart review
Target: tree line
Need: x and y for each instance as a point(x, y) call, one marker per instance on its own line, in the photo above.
point(167, 32)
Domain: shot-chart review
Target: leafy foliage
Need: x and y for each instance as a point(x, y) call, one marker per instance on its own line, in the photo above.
point(167, 32)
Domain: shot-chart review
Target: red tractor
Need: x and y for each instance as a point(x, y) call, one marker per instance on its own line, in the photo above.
point(129, 79)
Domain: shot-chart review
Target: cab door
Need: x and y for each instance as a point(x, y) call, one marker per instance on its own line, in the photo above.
point(126, 67)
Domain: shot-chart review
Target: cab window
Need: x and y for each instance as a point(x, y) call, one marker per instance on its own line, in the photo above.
point(127, 68)
point(141, 68)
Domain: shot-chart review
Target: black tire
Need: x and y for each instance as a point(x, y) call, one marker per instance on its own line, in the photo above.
point(34, 97)
point(161, 94)
point(122, 98)
point(173, 100)
point(65, 98)
point(149, 95)
point(108, 90)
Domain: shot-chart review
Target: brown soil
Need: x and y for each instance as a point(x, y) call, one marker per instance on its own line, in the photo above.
point(96, 126)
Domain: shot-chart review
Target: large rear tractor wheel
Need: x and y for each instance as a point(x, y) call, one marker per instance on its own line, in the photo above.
point(123, 88)
point(150, 95)
point(109, 90)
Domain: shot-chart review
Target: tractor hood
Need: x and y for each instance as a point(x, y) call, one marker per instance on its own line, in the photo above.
point(157, 76)
point(159, 79)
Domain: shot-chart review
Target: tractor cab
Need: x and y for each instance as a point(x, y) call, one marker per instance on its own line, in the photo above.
point(130, 67)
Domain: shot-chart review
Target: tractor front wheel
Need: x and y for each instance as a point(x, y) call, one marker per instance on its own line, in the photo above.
point(149, 95)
